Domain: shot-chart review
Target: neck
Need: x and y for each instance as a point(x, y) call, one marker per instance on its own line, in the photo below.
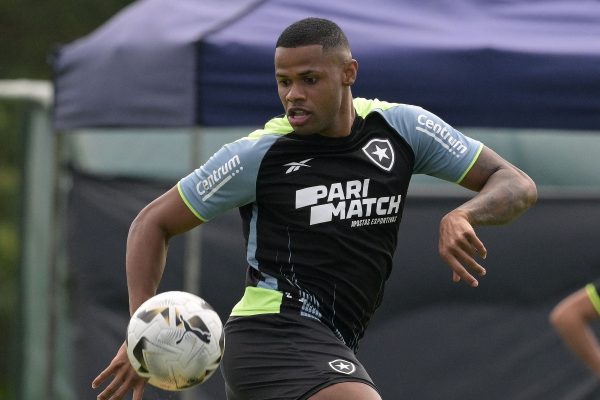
point(344, 120)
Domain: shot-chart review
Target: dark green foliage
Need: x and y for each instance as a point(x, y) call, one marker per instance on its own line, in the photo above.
point(10, 213)
point(30, 30)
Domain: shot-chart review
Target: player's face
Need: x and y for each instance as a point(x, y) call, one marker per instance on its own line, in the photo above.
point(314, 88)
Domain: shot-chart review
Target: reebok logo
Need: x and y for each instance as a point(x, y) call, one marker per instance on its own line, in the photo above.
point(347, 200)
point(295, 166)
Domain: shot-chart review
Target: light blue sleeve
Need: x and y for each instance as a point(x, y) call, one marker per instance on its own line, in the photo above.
point(227, 180)
point(439, 149)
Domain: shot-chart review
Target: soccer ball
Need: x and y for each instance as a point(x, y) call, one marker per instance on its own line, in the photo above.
point(175, 340)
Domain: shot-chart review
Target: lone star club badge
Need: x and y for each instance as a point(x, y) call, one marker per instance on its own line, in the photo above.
point(380, 151)
point(342, 366)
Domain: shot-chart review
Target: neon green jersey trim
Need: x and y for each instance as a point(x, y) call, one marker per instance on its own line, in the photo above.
point(593, 295)
point(281, 125)
point(258, 301)
point(471, 165)
point(187, 203)
point(364, 107)
point(277, 126)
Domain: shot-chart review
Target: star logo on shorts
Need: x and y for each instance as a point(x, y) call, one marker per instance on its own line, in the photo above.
point(342, 366)
point(380, 151)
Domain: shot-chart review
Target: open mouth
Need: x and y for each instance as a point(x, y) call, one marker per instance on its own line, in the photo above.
point(297, 116)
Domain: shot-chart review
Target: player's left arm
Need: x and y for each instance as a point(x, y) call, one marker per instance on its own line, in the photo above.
point(504, 193)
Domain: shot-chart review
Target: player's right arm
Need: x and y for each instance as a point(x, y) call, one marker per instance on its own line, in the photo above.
point(148, 240)
point(227, 180)
point(572, 317)
point(147, 245)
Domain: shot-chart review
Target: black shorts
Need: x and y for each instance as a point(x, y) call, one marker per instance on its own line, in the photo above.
point(284, 357)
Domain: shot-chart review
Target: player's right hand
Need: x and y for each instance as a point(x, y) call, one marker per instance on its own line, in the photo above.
point(124, 378)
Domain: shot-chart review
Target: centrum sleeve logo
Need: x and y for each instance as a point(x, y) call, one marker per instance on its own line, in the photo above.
point(441, 134)
point(348, 201)
point(380, 151)
point(219, 177)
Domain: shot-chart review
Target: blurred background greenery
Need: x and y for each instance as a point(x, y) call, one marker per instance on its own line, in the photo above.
point(10, 212)
point(29, 32)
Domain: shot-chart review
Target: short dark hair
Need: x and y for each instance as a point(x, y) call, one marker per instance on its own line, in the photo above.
point(310, 31)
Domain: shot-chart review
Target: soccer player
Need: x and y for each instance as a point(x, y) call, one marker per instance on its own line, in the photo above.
point(572, 319)
point(320, 191)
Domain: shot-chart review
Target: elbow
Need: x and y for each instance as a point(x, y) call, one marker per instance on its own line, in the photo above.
point(564, 318)
point(137, 225)
point(147, 223)
point(560, 319)
point(556, 317)
point(141, 221)
point(530, 192)
point(527, 190)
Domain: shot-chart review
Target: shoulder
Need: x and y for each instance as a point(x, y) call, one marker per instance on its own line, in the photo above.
point(364, 107)
point(401, 117)
point(274, 128)
point(254, 146)
point(439, 149)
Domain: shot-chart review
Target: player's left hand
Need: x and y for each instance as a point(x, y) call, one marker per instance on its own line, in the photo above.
point(124, 378)
point(459, 245)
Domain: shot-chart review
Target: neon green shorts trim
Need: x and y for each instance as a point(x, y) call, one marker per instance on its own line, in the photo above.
point(256, 301)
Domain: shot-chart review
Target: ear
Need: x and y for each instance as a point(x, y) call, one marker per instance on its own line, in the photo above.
point(350, 71)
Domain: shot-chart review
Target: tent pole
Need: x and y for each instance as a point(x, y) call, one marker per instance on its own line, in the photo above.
point(192, 250)
point(192, 255)
point(37, 265)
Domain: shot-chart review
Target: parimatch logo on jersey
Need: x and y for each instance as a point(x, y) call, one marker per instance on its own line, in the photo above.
point(348, 201)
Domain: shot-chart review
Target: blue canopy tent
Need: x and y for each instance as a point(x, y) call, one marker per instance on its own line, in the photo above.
point(492, 63)
point(163, 63)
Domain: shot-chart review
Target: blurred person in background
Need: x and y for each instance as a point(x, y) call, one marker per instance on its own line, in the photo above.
point(573, 317)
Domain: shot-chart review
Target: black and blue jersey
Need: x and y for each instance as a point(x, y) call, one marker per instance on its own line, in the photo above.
point(321, 214)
